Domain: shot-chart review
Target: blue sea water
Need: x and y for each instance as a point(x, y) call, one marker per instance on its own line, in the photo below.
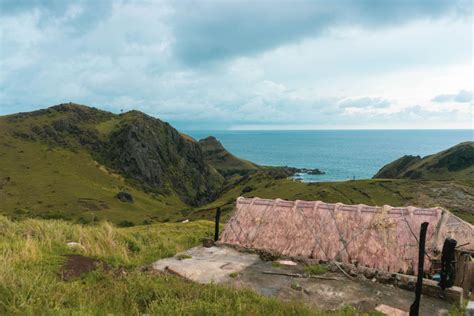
point(341, 154)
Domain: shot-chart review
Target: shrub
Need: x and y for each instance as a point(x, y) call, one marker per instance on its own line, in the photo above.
point(247, 189)
point(125, 223)
point(316, 269)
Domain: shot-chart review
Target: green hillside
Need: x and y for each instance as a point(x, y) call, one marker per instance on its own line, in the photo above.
point(54, 182)
point(71, 161)
point(455, 163)
point(223, 161)
point(145, 150)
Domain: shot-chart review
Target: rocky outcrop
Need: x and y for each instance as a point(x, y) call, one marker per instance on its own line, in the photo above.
point(154, 154)
point(229, 165)
point(125, 197)
point(223, 161)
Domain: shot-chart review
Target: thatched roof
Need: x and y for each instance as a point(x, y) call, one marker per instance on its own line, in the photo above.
point(385, 238)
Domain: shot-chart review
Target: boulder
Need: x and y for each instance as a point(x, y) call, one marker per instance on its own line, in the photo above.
point(125, 197)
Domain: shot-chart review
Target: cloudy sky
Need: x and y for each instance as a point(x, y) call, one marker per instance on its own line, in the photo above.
point(245, 64)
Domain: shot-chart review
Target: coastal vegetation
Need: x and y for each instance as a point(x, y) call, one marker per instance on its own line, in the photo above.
point(81, 164)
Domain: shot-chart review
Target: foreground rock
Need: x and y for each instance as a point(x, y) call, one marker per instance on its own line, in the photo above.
point(125, 197)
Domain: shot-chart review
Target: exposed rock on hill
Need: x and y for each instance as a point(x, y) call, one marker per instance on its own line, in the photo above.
point(141, 148)
point(125, 197)
point(152, 152)
point(455, 163)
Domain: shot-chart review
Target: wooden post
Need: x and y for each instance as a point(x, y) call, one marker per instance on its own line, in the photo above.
point(448, 270)
point(216, 230)
point(415, 307)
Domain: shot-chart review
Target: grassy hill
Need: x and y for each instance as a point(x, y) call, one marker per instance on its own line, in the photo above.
point(455, 163)
point(148, 152)
point(223, 161)
point(39, 181)
point(71, 161)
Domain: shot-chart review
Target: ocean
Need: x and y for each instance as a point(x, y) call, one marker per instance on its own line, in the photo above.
point(341, 154)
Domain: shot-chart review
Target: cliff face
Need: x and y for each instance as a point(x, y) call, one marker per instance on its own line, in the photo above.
point(455, 163)
point(143, 149)
point(155, 154)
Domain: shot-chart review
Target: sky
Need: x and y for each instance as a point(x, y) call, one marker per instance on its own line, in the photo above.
point(240, 65)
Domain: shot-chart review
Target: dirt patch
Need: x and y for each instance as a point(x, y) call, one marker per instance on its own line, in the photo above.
point(92, 204)
point(77, 265)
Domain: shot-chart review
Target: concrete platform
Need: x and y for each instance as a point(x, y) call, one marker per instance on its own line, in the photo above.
point(207, 265)
point(330, 291)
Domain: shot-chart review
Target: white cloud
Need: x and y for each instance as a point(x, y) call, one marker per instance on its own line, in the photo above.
point(353, 68)
point(364, 102)
point(462, 96)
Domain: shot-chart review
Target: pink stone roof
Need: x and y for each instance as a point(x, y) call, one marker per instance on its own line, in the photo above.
point(385, 238)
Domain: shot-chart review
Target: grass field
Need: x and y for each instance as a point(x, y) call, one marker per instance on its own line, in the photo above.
point(31, 254)
point(40, 181)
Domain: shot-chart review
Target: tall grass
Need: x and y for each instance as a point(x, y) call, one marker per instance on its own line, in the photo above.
point(31, 253)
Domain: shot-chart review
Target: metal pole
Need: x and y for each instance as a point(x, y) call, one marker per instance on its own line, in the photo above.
point(415, 307)
point(216, 230)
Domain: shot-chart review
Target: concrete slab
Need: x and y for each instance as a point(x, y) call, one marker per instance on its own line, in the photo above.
point(206, 265)
point(330, 291)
